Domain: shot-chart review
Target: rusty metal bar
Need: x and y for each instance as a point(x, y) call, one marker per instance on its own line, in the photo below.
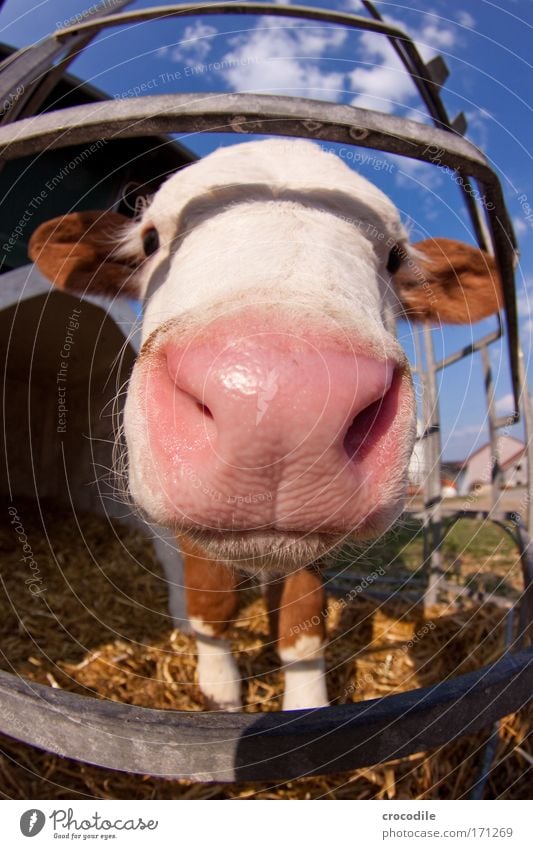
point(468, 350)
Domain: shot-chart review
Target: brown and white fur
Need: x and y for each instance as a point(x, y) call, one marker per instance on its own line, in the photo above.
point(270, 414)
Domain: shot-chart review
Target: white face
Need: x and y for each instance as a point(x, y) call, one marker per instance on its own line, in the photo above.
point(270, 412)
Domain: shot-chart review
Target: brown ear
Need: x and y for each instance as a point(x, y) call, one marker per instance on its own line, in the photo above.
point(76, 252)
point(448, 281)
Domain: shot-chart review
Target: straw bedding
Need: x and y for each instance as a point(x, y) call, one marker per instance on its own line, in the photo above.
point(100, 627)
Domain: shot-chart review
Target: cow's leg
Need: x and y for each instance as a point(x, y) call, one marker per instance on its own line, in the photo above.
point(211, 591)
point(296, 606)
point(169, 556)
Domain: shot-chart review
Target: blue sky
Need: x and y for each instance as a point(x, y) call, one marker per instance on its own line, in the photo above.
point(486, 46)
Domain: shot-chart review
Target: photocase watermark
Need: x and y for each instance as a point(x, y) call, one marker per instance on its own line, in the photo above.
point(418, 635)
point(34, 581)
point(369, 677)
point(58, 178)
point(407, 261)
point(39, 198)
point(485, 475)
point(166, 78)
point(337, 604)
point(435, 154)
point(32, 822)
point(66, 825)
point(62, 375)
point(197, 483)
point(527, 209)
point(65, 820)
point(516, 517)
point(360, 157)
point(405, 411)
point(10, 100)
point(24, 220)
point(138, 203)
point(102, 6)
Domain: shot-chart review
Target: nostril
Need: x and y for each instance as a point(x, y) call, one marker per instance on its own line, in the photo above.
point(204, 410)
point(358, 436)
point(186, 391)
point(370, 424)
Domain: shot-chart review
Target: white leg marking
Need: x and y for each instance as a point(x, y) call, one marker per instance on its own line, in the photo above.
point(218, 675)
point(305, 674)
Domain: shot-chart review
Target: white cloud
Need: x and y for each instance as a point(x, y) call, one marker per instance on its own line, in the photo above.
point(413, 172)
point(526, 333)
point(519, 225)
point(195, 45)
point(282, 59)
point(524, 298)
point(524, 303)
point(466, 19)
point(384, 84)
point(435, 36)
point(468, 430)
point(479, 121)
point(381, 88)
point(505, 404)
point(286, 58)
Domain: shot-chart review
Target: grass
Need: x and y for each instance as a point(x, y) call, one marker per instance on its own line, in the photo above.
point(476, 553)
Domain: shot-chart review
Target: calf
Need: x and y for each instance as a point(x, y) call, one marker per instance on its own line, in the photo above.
point(270, 414)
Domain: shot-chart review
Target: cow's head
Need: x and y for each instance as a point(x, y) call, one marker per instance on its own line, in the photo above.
point(270, 412)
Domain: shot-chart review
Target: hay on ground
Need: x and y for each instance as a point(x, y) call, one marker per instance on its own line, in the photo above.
point(100, 627)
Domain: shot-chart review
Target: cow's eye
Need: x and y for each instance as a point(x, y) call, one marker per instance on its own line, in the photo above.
point(150, 241)
point(395, 259)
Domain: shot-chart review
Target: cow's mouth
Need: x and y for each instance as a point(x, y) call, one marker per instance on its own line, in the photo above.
point(265, 550)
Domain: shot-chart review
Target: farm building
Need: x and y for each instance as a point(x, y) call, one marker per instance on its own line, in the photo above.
point(65, 356)
point(418, 470)
point(512, 461)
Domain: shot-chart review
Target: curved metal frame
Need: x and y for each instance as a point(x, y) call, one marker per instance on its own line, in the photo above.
point(222, 746)
point(262, 747)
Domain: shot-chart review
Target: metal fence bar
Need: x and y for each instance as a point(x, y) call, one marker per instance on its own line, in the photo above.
point(468, 350)
point(404, 46)
point(246, 113)
point(527, 412)
point(248, 747)
point(491, 746)
point(172, 10)
point(28, 67)
point(495, 471)
point(432, 483)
